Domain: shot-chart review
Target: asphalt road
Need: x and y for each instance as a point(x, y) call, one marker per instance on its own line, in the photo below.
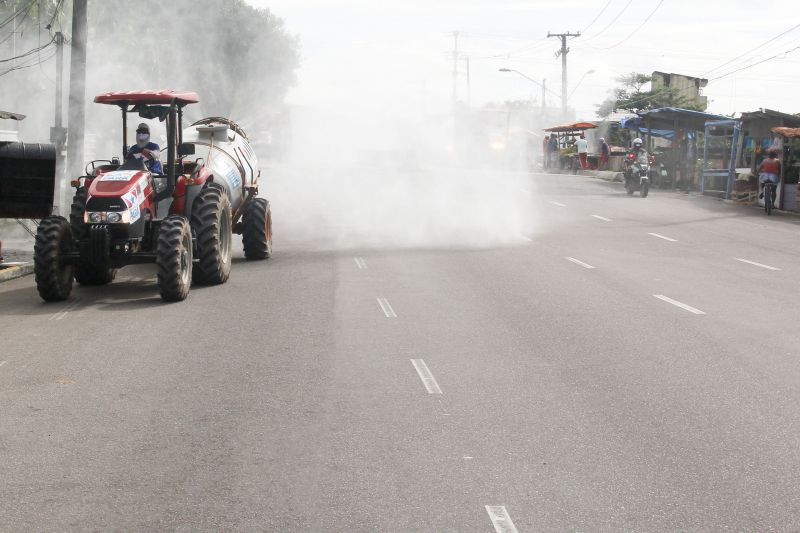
point(624, 368)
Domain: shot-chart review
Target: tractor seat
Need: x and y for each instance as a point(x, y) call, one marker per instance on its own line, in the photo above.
point(133, 164)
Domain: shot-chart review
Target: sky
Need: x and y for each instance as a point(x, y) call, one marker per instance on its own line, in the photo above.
point(398, 54)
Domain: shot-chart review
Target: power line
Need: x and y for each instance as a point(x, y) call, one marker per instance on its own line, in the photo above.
point(29, 52)
point(624, 9)
point(776, 56)
point(639, 27)
point(597, 17)
point(751, 50)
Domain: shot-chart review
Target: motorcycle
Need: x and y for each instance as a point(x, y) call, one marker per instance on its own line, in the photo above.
point(637, 174)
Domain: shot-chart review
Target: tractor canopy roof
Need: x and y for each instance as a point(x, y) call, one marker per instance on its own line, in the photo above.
point(148, 98)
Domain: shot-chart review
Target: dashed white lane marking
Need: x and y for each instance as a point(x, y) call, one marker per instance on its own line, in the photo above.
point(756, 264)
point(63, 313)
point(604, 219)
point(578, 262)
point(500, 520)
point(386, 307)
point(559, 204)
point(679, 304)
point(2, 363)
point(525, 191)
point(360, 263)
point(425, 375)
point(663, 237)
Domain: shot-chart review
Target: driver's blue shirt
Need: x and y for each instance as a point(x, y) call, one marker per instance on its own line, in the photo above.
point(153, 165)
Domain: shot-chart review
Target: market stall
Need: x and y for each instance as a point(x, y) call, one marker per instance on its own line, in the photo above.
point(566, 135)
point(789, 155)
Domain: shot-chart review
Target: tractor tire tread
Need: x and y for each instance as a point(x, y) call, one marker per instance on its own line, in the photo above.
point(52, 284)
point(168, 259)
point(209, 208)
point(257, 230)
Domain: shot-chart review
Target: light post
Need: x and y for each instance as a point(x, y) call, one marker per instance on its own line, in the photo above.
point(543, 85)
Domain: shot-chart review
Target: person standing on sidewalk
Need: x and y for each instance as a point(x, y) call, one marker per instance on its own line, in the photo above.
point(552, 151)
point(605, 153)
point(545, 151)
point(583, 151)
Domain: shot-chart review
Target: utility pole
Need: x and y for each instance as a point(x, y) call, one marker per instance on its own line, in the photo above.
point(469, 84)
point(455, 67)
point(77, 88)
point(563, 53)
point(58, 135)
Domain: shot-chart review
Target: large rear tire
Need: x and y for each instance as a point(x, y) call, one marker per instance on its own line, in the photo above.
point(211, 222)
point(257, 230)
point(53, 276)
point(174, 259)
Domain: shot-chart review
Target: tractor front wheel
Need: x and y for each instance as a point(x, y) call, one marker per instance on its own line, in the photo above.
point(257, 230)
point(53, 276)
point(174, 259)
point(211, 222)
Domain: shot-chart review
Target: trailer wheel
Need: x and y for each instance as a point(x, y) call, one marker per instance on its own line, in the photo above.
point(174, 259)
point(211, 222)
point(76, 213)
point(257, 230)
point(53, 276)
point(88, 274)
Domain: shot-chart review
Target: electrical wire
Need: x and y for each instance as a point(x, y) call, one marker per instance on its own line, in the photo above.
point(639, 27)
point(751, 50)
point(596, 35)
point(597, 17)
point(776, 56)
point(17, 13)
point(29, 52)
point(38, 61)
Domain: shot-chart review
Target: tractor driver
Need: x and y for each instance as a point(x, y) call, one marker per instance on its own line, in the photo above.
point(144, 149)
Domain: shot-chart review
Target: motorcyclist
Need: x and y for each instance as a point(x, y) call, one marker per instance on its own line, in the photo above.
point(636, 157)
point(150, 152)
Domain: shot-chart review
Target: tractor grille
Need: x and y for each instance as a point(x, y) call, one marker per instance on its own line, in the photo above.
point(105, 204)
point(99, 243)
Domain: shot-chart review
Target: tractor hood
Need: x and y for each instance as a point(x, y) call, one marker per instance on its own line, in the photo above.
point(120, 190)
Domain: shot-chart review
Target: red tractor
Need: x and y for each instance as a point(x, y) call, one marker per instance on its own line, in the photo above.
point(182, 219)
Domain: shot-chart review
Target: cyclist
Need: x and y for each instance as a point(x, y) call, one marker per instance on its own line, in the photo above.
point(770, 170)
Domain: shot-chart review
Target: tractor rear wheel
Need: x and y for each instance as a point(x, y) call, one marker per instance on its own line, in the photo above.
point(174, 259)
point(211, 222)
point(257, 230)
point(53, 276)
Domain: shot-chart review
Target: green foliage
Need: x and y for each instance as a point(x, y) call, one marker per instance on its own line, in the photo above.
point(630, 96)
point(237, 57)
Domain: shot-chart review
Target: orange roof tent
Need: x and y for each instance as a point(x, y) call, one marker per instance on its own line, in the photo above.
point(787, 132)
point(575, 126)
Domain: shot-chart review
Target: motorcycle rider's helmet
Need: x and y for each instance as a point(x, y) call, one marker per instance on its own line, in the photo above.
point(142, 135)
point(637, 143)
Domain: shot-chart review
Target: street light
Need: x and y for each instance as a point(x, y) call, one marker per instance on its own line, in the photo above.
point(590, 71)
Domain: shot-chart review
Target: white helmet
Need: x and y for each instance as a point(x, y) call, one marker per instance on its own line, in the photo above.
point(637, 142)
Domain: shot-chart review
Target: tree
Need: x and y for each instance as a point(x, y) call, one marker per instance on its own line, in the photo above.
point(631, 96)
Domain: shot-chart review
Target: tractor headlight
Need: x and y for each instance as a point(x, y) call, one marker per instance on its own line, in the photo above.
point(113, 217)
point(95, 217)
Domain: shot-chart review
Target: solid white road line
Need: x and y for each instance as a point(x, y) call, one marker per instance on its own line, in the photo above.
point(386, 308)
point(577, 262)
point(425, 375)
point(756, 264)
point(559, 204)
point(360, 263)
point(662, 237)
point(679, 304)
point(500, 520)
point(604, 219)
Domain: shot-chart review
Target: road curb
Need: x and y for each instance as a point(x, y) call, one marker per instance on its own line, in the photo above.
point(16, 271)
